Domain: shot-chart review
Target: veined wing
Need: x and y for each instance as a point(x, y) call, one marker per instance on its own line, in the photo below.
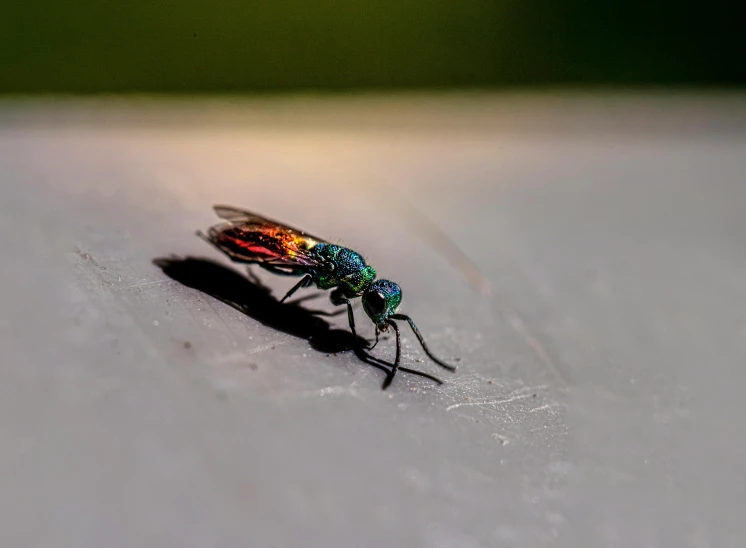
point(248, 237)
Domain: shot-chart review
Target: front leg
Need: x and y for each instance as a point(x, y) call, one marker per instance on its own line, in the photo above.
point(397, 360)
point(338, 298)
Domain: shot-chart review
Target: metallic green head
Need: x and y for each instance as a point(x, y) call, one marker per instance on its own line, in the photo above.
point(380, 300)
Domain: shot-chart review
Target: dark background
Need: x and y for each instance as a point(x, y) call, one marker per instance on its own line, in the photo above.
point(244, 45)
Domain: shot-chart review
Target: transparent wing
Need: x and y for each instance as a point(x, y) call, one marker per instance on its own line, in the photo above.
point(251, 238)
point(243, 217)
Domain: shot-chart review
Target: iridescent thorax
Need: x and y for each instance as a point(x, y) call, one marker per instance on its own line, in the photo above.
point(349, 269)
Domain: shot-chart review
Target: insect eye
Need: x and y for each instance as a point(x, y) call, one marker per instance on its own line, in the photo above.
point(376, 303)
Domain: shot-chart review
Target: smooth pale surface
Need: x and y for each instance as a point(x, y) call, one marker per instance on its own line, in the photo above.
point(584, 256)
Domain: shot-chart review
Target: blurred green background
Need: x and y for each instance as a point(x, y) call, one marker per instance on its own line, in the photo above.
point(244, 45)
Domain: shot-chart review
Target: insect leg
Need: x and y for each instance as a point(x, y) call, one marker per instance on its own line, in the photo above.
point(305, 282)
point(398, 349)
point(351, 319)
point(422, 341)
point(378, 331)
point(253, 278)
point(338, 299)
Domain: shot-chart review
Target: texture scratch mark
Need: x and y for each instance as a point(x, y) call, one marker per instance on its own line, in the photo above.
point(540, 408)
point(488, 402)
point(145, 284)
point(239, 357)
point(334, 391)
point(519, 326)
point(265, 347)
point(437, 238)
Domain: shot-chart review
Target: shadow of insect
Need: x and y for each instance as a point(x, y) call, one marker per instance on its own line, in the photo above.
point(251, 297)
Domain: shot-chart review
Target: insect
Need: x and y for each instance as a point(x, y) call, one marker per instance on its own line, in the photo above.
point(252, 239)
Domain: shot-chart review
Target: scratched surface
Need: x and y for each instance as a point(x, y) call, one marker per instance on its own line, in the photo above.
point(582, 256)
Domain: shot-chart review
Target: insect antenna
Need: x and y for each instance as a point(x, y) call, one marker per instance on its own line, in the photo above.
point(422, 341)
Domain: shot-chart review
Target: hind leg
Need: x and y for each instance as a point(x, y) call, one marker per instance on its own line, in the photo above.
point(305, 282)
point(253, 277)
